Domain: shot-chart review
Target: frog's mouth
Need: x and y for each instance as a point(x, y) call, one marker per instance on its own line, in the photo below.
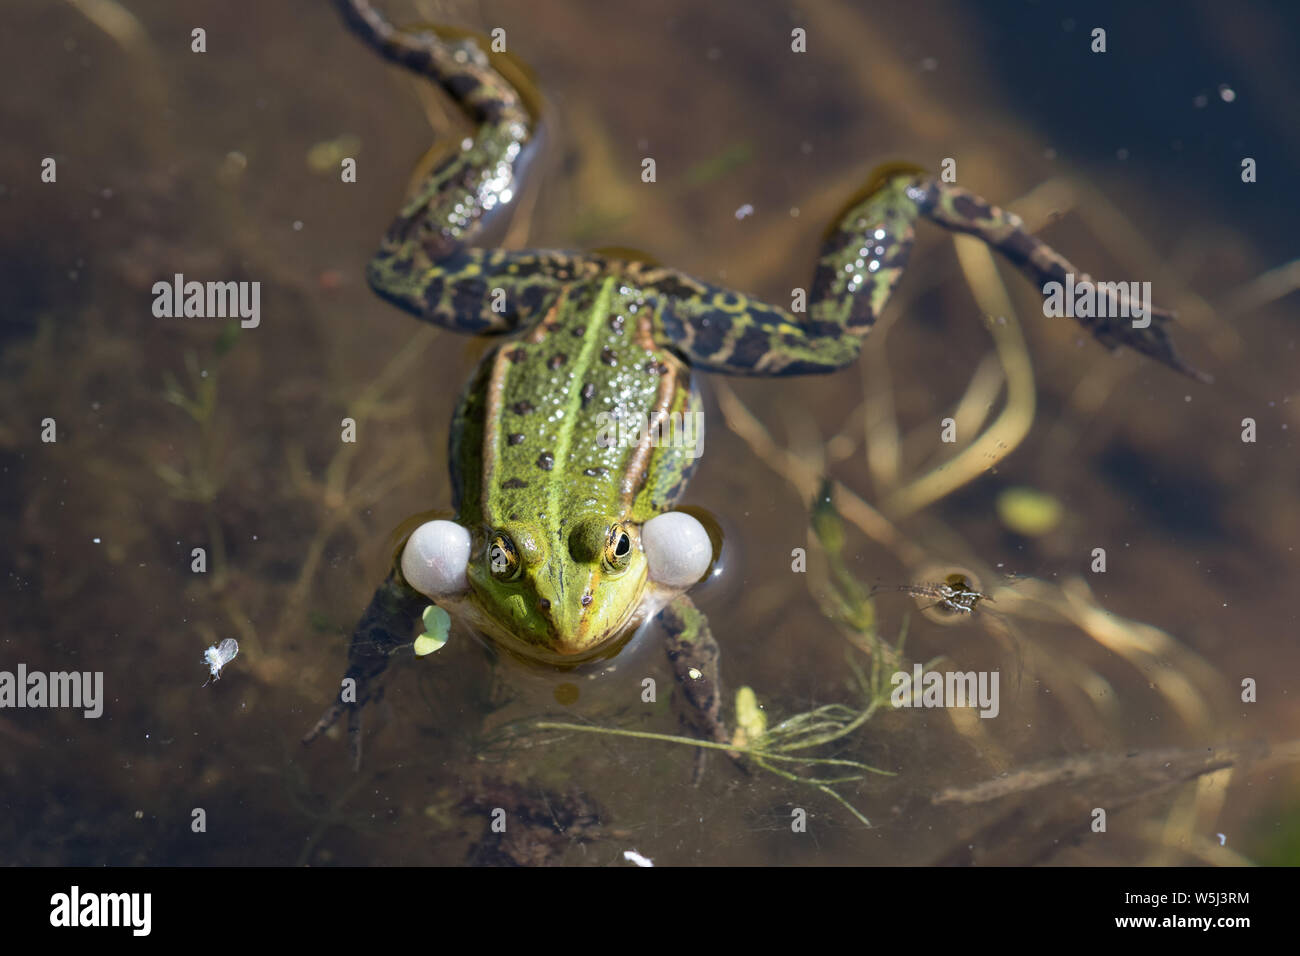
point(535, 654)
point(552, 648)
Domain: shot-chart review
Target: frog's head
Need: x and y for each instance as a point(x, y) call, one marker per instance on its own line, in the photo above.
point(560, 597)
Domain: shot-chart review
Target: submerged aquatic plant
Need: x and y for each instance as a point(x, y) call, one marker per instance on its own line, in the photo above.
point(202, 480)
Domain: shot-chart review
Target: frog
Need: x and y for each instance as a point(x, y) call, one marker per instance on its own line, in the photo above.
point(563, 543)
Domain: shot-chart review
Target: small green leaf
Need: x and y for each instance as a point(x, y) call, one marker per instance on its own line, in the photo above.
point(1029, 512)
point(437, 623)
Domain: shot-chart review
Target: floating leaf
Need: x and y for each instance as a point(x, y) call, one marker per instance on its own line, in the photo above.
point(1029, 512)
point(437, 623)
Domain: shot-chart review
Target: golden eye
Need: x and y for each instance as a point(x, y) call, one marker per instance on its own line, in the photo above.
point(502, 558)
point(618, 549)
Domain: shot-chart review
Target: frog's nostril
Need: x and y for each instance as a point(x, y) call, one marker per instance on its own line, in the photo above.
point(543, 604)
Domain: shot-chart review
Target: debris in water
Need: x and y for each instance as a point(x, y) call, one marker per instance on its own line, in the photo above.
point(218, 656)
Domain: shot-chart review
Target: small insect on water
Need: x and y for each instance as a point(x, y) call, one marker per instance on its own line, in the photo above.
point(955, 594)
point(218, 656)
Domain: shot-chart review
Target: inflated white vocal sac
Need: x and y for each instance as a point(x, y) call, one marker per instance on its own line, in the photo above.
point(435, 558)
point(677, 549)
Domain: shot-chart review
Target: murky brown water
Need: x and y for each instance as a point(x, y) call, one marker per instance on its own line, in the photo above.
point(171, 161)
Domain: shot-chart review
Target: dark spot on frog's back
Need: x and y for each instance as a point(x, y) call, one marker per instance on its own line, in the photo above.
point(616, 323)
point(970, 207)
point(1020, 247)
point(750, 347)
point(673, 287)
point(822, 329)
point(674, 494)
point(516, 355)
point(556, 360)
point(588, 393)
point(546, 461)
point(608, 357)
point(460, 84)
point(515, 439)
point(824, 281)
point(672, 325)
point(522, 408)
point(432, 293)
point(514, 483)
point(595, 472)
point(711, 330)
point(531, 299)
point(467, 299)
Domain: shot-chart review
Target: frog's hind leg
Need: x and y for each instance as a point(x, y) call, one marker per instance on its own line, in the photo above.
point(862, 259)
point(959, 210)
point(386, 625)
point(426, 263)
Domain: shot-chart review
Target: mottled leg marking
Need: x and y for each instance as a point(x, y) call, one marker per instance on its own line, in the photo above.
point(387, 624)
point(425, 264)
point(693, 653)
point(861, 262)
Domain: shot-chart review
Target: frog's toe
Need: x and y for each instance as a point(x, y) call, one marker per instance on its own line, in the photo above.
point(354, 723)
point(1151, 339)
point(327, 720)
point(330, 718)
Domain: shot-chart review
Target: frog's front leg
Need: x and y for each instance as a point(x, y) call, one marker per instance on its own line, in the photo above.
point(861, 262)
point(426, 263)
point(693, 653)
point(386, 625)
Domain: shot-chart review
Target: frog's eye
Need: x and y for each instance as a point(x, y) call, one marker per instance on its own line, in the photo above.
point(677, 549)
point(618, 549)
point(435, 558)
point(502, 558)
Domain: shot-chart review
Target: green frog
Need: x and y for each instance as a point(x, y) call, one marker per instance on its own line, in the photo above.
point(566, 538)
